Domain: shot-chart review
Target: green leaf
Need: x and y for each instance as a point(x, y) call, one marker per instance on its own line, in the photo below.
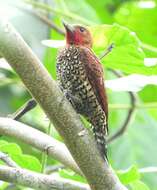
point(2, 142)
point(129, 175)
point(27, 161)
point(3, 185)
point(101, 10)
point(23, 160)
point(147, 95)
point(138, 185)
point(127, 55)
point(137, 145)
point(10, 148)
point(141, 19)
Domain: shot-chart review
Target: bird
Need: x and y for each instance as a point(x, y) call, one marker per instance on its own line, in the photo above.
point(81, 78)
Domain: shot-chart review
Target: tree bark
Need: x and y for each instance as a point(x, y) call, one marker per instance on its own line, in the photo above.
point(38, 181)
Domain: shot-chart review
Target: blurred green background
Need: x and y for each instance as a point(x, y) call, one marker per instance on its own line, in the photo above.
point(132, 27)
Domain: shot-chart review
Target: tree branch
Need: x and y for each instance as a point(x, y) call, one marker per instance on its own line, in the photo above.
point(46, 92)
point(39, 140)
point(35, 180)
point(38, 181)
point(6, 159)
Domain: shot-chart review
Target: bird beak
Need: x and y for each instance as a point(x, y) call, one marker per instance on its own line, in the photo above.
point(68, 27)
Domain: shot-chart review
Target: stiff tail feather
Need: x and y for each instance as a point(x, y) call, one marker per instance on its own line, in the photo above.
point(100, 137)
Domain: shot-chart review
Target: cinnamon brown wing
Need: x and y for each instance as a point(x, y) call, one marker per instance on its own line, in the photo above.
point(95, 75)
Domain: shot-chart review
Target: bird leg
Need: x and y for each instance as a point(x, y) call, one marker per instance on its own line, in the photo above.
point(29, 105)
point(106, 52)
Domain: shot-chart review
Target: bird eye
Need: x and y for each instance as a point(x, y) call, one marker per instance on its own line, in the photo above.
point(82, 29)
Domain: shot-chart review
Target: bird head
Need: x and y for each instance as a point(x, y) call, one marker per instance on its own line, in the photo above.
point(78, 35)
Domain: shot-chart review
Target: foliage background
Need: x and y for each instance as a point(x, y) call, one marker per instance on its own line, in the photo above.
point(136, 149)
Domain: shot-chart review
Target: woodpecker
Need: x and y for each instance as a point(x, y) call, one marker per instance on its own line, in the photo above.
point(81, 78)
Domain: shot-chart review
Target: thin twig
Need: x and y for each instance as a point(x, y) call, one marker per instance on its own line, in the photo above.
point(106, 52)
point(6, 159)
point(133, 102)
point(28, 106)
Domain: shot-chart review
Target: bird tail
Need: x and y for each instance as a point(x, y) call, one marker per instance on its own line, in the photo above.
point(100, 137)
